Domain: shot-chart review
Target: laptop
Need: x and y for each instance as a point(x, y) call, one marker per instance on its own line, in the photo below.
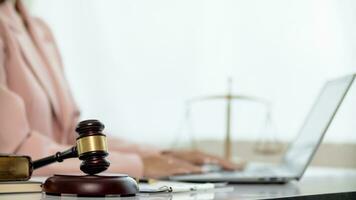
point(299, 153)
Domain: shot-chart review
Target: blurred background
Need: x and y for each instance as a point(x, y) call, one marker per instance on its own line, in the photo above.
point(134, 64)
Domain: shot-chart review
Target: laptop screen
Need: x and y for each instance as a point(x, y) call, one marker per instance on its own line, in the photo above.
point(302, 149)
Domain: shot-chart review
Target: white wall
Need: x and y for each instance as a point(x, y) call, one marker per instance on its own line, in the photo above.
point(133, 63)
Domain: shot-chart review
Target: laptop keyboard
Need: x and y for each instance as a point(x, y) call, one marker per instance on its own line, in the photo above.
point(250, 171)
point(212, 169)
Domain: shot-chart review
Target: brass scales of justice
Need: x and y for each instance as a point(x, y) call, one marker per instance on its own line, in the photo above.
point(270, 147)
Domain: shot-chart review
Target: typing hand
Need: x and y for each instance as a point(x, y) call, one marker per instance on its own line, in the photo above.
point(157, 166)
point(200, 158)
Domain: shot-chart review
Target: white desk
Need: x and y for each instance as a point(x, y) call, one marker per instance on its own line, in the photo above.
point(315, 181)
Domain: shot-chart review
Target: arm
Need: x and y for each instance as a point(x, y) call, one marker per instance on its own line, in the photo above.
point(122, 145)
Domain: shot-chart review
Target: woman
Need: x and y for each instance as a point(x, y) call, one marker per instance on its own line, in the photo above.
point(38, 114)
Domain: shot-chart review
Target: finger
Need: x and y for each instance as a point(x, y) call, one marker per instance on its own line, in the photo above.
point(190, 168)
point(180, 171)
point(196, 158)
point(200, 158)
point(183, 167)
point(224, 163)
point(227, 165)
point(189, 156)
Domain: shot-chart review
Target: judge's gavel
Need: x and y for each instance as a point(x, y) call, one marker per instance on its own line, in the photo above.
point(91, 148)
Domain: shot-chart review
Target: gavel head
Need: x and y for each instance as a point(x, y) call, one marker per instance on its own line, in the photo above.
point(92, 147)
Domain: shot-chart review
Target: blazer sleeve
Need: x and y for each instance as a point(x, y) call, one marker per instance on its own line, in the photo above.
point(16, 136)
point(119, 144)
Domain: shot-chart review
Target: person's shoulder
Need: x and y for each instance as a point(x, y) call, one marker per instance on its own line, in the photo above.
point(44, 29)
point(40, 23)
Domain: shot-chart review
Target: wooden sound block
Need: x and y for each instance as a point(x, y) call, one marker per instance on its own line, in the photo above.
point(90, 185)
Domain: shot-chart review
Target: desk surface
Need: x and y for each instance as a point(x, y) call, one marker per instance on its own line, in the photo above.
point(315, 181)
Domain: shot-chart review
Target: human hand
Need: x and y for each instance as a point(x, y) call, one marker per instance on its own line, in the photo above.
point(157, 166)
point(200, 158)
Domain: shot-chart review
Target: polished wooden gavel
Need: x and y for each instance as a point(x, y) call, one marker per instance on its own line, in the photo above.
point(91, 148)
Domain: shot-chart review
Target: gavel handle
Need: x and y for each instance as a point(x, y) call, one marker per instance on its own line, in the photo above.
point(58, 157)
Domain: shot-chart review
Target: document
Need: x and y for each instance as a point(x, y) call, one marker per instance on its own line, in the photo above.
point(171, 186)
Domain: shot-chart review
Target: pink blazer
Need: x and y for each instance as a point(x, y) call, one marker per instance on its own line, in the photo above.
point(37, 111)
